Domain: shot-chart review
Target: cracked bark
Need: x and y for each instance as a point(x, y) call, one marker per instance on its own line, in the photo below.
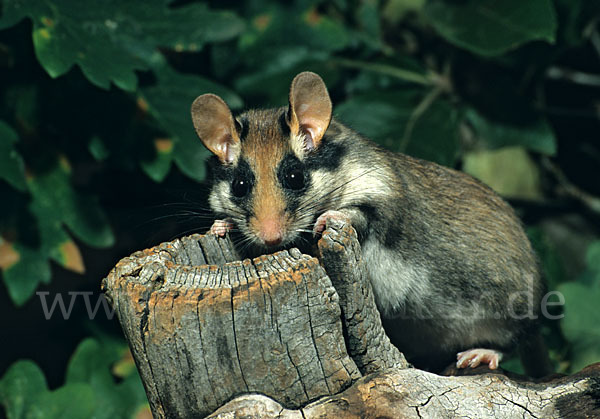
point(212, 335)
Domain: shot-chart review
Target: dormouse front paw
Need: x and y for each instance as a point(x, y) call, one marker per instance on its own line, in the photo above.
point(473, 357)
point(321, 222)
point(220, 227)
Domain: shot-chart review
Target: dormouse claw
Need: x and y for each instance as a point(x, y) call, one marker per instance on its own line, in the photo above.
point(321, 222)
point(220, 227)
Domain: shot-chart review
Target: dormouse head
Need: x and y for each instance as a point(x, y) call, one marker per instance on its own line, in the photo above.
point(262, 180)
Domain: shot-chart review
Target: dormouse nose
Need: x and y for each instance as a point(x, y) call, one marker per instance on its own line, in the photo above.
point(270, 231)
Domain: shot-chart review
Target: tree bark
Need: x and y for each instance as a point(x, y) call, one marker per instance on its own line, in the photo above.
point(282, 336)
point(412, 393)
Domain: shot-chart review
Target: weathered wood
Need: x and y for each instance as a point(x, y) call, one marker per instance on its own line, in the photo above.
point(207, 331)
point(368, 345)
point(202, 334)
point(412, 393)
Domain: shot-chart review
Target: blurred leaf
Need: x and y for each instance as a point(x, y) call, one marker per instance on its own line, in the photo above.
point(67, 402)
point(509, 171)
point(367, 15)
point(24, 393)
point(435, 135)
point(490, 27)
point(581, 323)
point(282, 40)
point(89, 391)
point(383, 117)
point(70, 257)
point(25, 100)
point(125, 366)
point(112, 40)
point(395, 10)
point(284, 25)
point(158, 168)
point(70, 32)
point(91, 364)
point(272, 81)
point(12, 168)
point(591, 276)
point(592, 257)
point(23, 268)
point(195, 25)
point(170, 101)
point(512, 364)
point(55, 202)
point(575, 16)
point(98, 149)
point(551, 262)
point(535, 135)
point(20, 386)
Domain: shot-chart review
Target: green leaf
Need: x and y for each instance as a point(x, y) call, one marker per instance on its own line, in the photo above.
point(56, 202)
point(272, 81)
point(536, 135)
point(25, 268)
point(435, 135)
point(98, 149)
point(90, 389)
point(581, 323)
point(591, 276)
point(575, 15)
point(284, 39)
point(25, 100)
point(367, 15)
point(91, 359)
point(282, 25)
point(395, 10)
point(384, 118)
point(67, 402)
point(513, 364)
point(112, 40)
point(70, 32)
point(490, 27)
point(381, 117)
point(185, 28)
point(550, 259)
point(158, 168)
point(12, 168)
point(170, 101)
point(91, 364)
point(509, 171)
point(592, 256)
point(22, 384)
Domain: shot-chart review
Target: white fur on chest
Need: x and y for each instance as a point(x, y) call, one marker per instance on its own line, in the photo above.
point(395, 280)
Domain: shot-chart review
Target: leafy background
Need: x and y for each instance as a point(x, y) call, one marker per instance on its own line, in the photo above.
point(98, 157)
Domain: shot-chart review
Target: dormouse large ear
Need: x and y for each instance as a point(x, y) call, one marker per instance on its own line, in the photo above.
point(215, 126)
point(309, 113)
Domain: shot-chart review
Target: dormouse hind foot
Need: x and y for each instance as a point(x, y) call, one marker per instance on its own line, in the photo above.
point(473, 357)
point(321, 222)
point(220, 227)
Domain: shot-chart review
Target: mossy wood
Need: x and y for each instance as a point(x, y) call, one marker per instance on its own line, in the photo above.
point(207, 330)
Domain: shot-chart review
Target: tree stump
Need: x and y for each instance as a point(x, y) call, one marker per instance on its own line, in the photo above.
point(204, 327)
point(282, 336)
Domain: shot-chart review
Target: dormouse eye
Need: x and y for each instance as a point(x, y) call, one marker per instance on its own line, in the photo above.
point(294, 179)
point(240, 187)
